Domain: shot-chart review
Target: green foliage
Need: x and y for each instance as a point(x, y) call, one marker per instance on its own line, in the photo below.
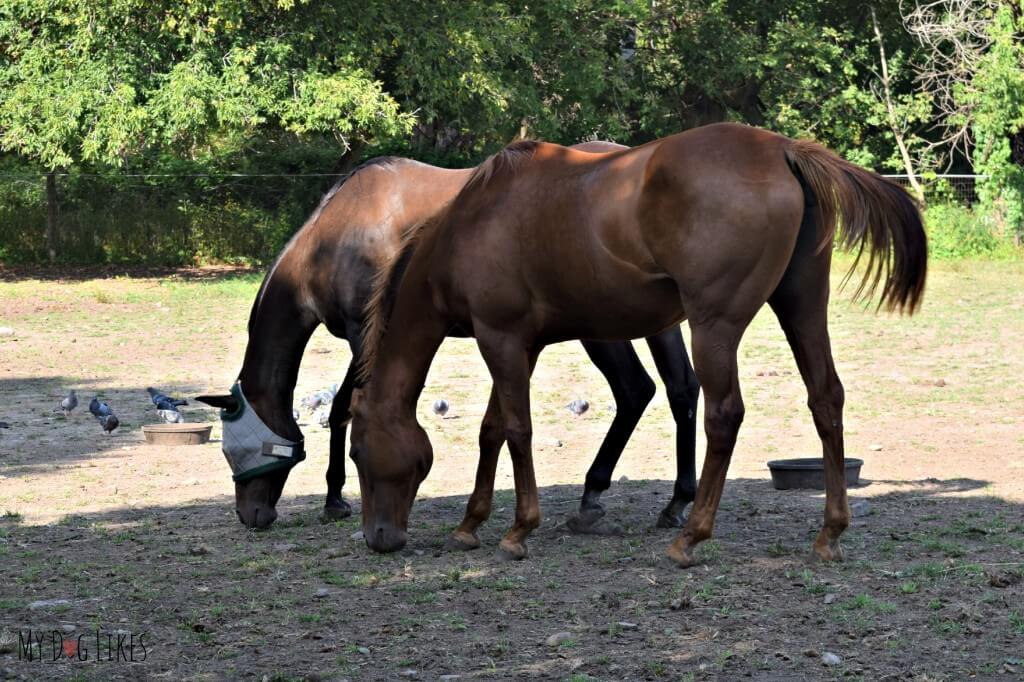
point(204, 87)
point(959, 232)
point(998, 93)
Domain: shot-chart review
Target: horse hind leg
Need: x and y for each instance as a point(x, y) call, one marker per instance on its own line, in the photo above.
point(335, 506)
point(683, 389)
point(714, 355)
point(633, 390)
point(800, 304)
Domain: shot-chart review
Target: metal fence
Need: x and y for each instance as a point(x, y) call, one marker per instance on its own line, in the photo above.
point(960, 189)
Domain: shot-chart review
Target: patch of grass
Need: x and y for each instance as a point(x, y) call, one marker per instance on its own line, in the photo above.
point(933, 544)
point(425, 598)
point(1017, 622)
point(909, 587)
point(710, 550)
point(868, 603)
point(655, 668)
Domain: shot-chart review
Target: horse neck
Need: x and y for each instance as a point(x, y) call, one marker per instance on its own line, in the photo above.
point(278, 333)
point(414, 332)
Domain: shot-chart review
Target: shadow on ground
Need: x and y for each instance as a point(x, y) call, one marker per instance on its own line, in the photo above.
point(932, 587)
point(31, 408)
point(81, 273)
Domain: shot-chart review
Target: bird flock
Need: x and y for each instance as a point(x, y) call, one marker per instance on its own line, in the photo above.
point(166, 409)
point(317, 404)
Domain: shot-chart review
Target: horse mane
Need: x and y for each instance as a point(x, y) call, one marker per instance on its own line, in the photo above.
point(507, 160)
point(380, 161)
point(384, 290)
point(378, 308)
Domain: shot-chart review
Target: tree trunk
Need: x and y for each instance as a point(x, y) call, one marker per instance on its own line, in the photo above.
point(897, 130)
point(52, 214)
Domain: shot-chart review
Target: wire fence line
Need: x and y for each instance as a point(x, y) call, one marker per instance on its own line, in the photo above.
point(960, 188)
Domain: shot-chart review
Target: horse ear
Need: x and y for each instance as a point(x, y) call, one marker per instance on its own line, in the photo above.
point(355, 405)
point(225, 402)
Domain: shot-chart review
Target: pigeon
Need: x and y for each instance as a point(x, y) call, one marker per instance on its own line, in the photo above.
point(578, 406)
point(4, 425)
point(441, 407)
point(320, 398)
point(163, 401)
point(323, 416)
point(104, 415)
point(171, 416)
point(69, 403)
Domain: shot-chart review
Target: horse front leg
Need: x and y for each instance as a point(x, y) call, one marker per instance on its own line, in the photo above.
point(492, 436)
point(511, 364)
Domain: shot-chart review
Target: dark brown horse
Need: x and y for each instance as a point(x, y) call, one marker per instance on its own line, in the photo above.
point(546, 244)
point(325, 275)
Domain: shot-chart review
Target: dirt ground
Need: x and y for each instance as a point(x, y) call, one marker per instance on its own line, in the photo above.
point(108, 541)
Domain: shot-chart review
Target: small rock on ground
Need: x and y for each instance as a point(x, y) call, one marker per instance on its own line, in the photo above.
point(860, 508)
point(44, 603)
point(829, 658)
point(358, 535)
point(409, 672)
point(829, 598)
point(558, 638)
point(626, 625)
point(284, 547)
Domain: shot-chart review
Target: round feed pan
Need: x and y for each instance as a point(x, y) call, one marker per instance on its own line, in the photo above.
point(809, 472)
point(177, 434)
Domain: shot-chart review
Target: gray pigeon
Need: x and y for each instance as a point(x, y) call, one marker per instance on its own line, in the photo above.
point(578, 406)
point(164, 401)
point(69, 403)
point(441, 407)
point(323, 416)
point(104, 415)
point(319, 399)
point(171, 416)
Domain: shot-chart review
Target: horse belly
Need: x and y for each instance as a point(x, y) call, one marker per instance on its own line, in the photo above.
point(612, 312)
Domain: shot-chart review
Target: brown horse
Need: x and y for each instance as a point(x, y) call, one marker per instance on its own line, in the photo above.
point(546, 244)
point(325, 275)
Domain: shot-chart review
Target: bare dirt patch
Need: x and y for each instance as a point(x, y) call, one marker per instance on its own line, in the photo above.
point(142, 540)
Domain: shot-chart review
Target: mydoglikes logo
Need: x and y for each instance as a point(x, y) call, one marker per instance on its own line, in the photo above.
point(99, 646)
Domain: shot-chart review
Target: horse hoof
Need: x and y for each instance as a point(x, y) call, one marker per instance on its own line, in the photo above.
point(511, 551)
point(830, 551)
point(682, 556)
point(460, 541)
point(667, 519)
point(335, 511)
point(589, 522)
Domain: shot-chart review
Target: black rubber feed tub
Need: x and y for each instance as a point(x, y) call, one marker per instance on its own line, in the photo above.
point(809, 472)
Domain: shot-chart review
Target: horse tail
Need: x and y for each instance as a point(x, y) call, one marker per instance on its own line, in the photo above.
point(870, 213)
